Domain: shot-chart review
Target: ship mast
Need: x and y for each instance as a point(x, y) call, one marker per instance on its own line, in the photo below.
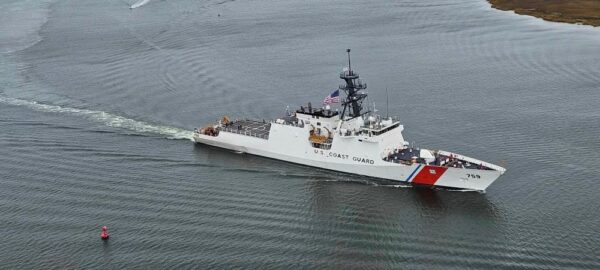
point(354, 95)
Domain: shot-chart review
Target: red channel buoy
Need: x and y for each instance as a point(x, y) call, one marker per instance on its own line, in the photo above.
point(104, 235)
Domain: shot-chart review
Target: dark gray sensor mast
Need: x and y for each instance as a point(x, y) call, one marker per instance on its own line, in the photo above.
point(354, 95)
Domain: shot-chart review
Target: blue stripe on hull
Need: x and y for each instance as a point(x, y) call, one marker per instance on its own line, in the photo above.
point(413, 173)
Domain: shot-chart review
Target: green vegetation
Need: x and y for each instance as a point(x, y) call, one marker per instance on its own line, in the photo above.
point(568, 11)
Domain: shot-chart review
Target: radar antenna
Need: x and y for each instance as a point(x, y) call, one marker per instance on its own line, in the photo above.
point(349, 66)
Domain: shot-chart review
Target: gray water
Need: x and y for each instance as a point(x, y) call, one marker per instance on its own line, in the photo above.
point(97, 104)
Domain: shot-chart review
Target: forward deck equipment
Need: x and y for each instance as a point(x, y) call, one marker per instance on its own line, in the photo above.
point(354, 140)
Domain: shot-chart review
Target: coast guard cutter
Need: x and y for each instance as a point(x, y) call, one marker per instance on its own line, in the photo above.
point(355, 140)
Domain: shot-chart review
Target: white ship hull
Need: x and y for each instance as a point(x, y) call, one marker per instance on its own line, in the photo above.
point(351, 154)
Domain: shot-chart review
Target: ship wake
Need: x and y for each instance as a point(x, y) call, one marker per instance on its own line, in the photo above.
point(108, 119)
point(139, 4)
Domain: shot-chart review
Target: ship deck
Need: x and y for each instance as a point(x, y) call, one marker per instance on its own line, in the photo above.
point(405, 156)
point(253, 128)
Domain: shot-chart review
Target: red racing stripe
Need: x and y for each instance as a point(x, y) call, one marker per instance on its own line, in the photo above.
point(429, 175)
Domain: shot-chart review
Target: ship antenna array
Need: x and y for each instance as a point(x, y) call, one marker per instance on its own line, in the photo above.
point(387, 104)
point(353, 89)
point(349, 67)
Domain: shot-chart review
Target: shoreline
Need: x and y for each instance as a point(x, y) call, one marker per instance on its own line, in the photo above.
point(583, 12)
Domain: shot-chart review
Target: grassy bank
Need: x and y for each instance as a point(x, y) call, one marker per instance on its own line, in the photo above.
point(568, 11)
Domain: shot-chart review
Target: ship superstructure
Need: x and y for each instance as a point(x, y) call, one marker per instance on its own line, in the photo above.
point(355, 140)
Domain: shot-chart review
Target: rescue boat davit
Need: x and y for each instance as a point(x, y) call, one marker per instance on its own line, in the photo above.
point(350, 139)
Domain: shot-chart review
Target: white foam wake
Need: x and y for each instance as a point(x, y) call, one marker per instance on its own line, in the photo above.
point(139, 3)
point(108, 119)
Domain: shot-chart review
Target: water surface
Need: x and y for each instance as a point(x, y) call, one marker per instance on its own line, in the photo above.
point(97, 104)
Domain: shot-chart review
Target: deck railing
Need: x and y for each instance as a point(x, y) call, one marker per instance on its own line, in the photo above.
point(292, 124)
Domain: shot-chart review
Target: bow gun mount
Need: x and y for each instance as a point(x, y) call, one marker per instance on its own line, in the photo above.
point(353, 89)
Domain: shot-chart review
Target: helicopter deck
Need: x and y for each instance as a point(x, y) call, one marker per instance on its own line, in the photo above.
point(247, 127)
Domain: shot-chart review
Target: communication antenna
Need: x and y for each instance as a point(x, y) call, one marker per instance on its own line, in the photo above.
point(387, 104)
point(349, 67)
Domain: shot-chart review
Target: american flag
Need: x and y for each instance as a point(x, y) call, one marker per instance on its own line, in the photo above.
point(332, 98)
